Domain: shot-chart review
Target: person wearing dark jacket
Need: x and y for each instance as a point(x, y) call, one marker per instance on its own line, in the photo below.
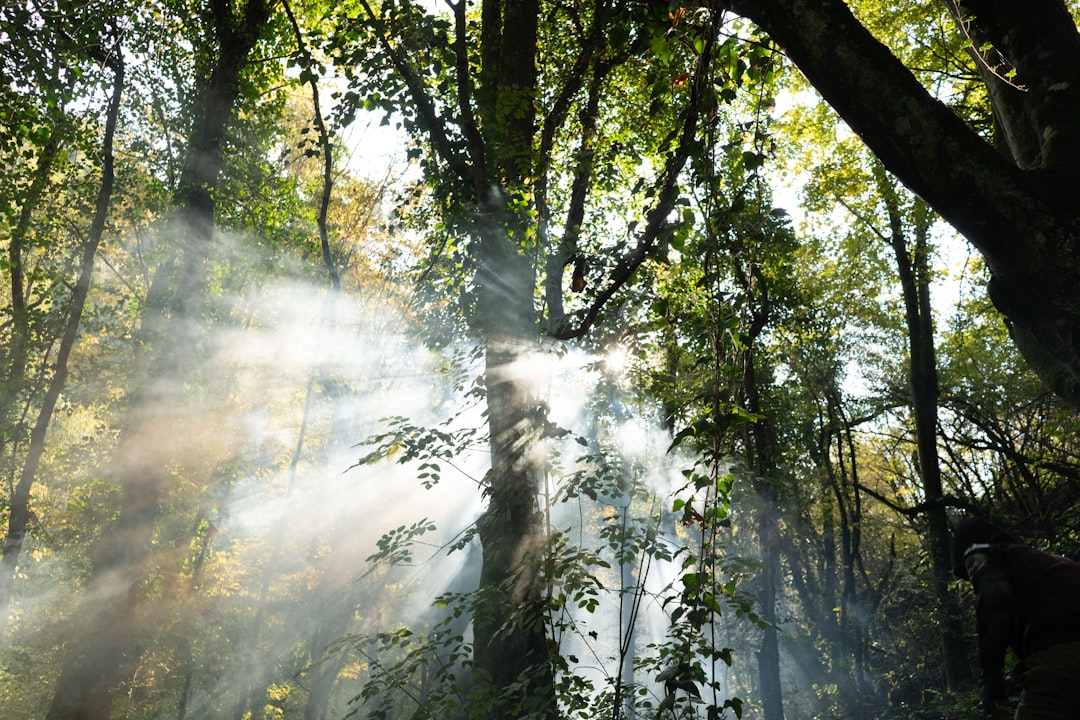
point(1028, 600)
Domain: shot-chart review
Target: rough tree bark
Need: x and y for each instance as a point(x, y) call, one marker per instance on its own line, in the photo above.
point(509, 626)
point(1014, 203)
point(95, 662)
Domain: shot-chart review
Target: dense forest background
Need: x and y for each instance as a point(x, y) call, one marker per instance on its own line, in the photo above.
point(525, 359)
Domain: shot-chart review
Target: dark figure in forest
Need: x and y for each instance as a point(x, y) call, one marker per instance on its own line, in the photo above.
point(1029, 600)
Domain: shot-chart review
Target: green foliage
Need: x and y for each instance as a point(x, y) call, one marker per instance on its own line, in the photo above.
point(645, 214)
point(419, 669)
point(394, 546)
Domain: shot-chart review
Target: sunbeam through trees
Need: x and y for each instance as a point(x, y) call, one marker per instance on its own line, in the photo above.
point(643, 365)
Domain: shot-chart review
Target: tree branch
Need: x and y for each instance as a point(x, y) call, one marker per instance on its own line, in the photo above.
point(658, 216)
point(915, 510)
point(465, 95)
point(436, 130)
point(579, 192)
point(917, 138)
point(324, 145)
point(1039, 39)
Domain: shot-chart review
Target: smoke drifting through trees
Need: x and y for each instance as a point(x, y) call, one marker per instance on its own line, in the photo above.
point(264, 545)
point(233, 445)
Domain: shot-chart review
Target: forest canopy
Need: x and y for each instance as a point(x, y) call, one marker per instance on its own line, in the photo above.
point(526, 359)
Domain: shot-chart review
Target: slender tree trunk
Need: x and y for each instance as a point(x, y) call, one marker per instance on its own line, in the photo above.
point(761, 462)
point(845, 635)
point(325, 667)
point(772, 700)
point(828, 538)
point(913, 268)
point(13, 356)
point(152, 438)
point(19, 510)
point(854, 603)
point(628, 592)
point(14, 375)
point(205, 531)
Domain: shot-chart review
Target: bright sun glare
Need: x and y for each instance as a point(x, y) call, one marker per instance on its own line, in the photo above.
point(617, 360)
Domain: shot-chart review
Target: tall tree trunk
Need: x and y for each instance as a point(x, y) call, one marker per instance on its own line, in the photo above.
point(325, 666)
point(761, 462)
point(204, 531)
point(13, 354)
point(14, 374)
point(19, 509)
point(510, 642)
point(844, 633)
point(509, 626)
point(854, 603)
point(630, 591)
point(913, 268)
point(151, 438)
point(772, 699)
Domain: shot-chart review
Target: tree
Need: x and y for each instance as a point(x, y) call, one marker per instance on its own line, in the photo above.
point(908, 235)
point(1004, 194)
point(592, 174)
point(94, 663)
point(525, 158)
point(883, 215)
point(42, 57)
point(714, 311)
point(1008, 441)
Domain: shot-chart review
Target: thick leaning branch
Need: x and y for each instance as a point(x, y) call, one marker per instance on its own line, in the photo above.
point(1039, 40)
point(1022, 221)
point(918, 139)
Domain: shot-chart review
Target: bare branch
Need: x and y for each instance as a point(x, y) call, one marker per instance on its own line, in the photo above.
point(324, 145)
